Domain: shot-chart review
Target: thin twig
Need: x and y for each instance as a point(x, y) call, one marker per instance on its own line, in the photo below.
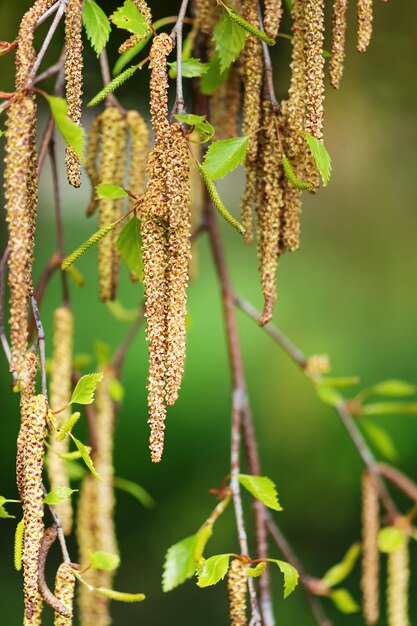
point(41, 344)
point(47, 542)
point(399, 480)
point(51, 71)
point(176, 36)
point(269, 72)
point(46, 42)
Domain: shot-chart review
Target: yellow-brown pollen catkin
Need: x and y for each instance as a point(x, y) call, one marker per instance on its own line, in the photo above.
point(64, 592)
point(145, 11)
point(272, 17)
point(225, 105)
point(36, 618)
point(237, 585)
point(20, 188)
point(91, 166)
point(27, 391)
point(338, 42)
point(74, 79)
point(370, 551)
point(398, 585)
point(60, 396)
point(314, 39)
point(33, 499)
point(207, 14)
point(139, 150)
point(365, 19)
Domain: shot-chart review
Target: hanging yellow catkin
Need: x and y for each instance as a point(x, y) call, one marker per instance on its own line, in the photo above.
point(365, 19)
point(398, 585)
point(269, 211)
point(252, 77)
point(145, 11)
point(272, 17)
point(338, 42)
point(74, 79)
point(237, 584)
point(27, 391)
point(64, 592)
point(20, 188)
point(36, 619)
point(225, 105)
point(179, 254)
point(92, 153)
point(314, 39)
point(207, 14)
point(139, 149)
point(294, 107)
point(33, 499)
point(60, 396)
point(111, 121)
point(370, 551)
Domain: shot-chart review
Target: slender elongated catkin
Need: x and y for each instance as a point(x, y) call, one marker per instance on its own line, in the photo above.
point(398, 585)
point(338, 42)
point(91, 167)
point(370, 551)
point(139, 149)
point(33, 499)
point(145, 11)
point(36, 618)
point(290, 224)
point(207, 14)
point(294, 108)
point(74, 79)
point(60, 396)
point(314, 39)
point(64, 592)
point(20, 188)
point(236, 584)
point(272, 17)
point(27, 391)
point(365, 19)
point(225, 105)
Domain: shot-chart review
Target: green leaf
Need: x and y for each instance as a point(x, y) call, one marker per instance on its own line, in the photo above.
point(102, 352)
point(18, 544)
point(393, 387)
point(344, 601)
point(97, 25)
point(3, 513)
point(129, 245)
point(180, 563)
point(256, 571)
point(122, 314)
point(339, 572)
point(328, 395)
point(127, 56)
point(58, 495)
point(85, 388)
point(191, 68)
point(120, 596)
point(340, 382)
point(135, 490)
point(129, 18)
point(389, 539)
point(389, 408)
point(213, 78)
point(73, 134)
point(66, 427)
point(104, 561)
point(224, 155)
point(321, 157)
point(230, 39)
point(85, 454)
point(202, 537)
point(262, 488)
point(290, 576)
point(213, 570)
point(116, 390)
point(112, 192)
point(380, 439)
point(201, 125)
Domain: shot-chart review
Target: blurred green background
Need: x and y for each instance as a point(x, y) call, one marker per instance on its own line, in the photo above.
point(349, 292)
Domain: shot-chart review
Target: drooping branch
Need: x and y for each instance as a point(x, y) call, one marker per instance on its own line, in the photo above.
point(47, 542)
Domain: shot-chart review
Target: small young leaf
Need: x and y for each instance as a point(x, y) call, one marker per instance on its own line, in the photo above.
point(120, 596)
point(104, 561)
point(85, 454)
point(389, 539)
point(129, 18)
point(191, 68)
point(256, 571)
point(213, 78)
point(344, 601)
point(129, 245)
point(380, 439)
point(58, 495)
point(290, 576)
point(71, 132)
point(180, 563)
point(262, 488)
point(65, 428)
point(3, 513)
point(229, 38)
point(85, 388)
point(328, 395)
point(122, 314)
point(135, 490)
point(224, 155)
point(97, 25)
point(201, 125)
point(116, 390)
point(393, 387)
point(18, 544)
point(112, 192)
point(341, 570)
point(213, 570)
point(389, 408)
point(321, 157)
point(340, 382)
point(91, 241)
point(70, 456)
point(202, 537)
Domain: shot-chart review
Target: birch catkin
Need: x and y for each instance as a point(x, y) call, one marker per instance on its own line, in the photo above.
point(33, 499)
point(272, 17)
point(60, 395)
point(338, 42)
point(139, 149)
point(36, 618)
point(27, 391)
point(314, 38)
point(74, 79)
point(398, 585)
point(365, 19)
point(370, 551)
point(64, 592)
point(236, 584)
point(91, 167)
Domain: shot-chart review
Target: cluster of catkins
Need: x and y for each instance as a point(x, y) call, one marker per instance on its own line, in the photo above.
point(398, 570)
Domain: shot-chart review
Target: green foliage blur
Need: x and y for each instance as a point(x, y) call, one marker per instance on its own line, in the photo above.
point(349, 292)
